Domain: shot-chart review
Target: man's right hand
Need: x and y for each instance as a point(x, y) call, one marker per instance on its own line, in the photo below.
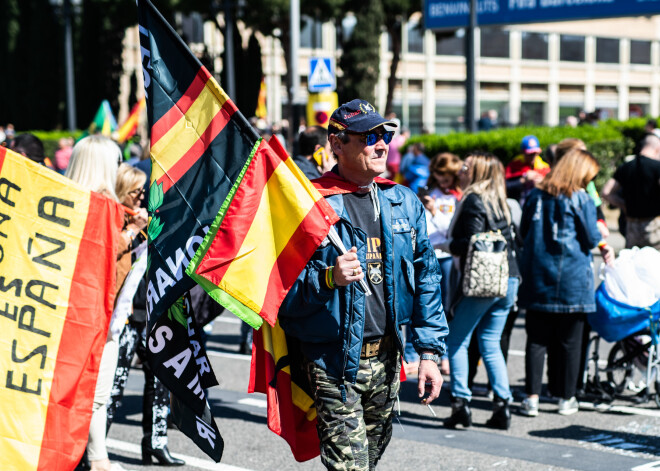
point(347, 268)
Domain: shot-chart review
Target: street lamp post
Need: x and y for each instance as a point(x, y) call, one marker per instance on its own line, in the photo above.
point(67, 14)
point(470, 81)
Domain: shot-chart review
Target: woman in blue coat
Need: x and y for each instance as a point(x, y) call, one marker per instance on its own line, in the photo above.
point(559, 229)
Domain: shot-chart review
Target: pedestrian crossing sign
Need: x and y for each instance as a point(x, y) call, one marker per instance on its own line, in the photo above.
point(321, 74)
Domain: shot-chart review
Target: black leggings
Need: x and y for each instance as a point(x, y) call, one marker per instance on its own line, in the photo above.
point(560, 336)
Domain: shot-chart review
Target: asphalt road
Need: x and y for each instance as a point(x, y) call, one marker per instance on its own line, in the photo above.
point(622, 436)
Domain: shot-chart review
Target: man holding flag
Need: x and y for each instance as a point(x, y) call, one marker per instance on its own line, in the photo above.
point(350, 338)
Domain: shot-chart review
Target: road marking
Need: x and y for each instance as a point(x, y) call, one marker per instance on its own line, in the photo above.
point(648, 466)
point(228, 320)
point(620, 409)
point(248, 401)
point(236, 356)
point(190, 460)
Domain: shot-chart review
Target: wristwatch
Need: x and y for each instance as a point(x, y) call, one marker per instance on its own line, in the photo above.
point(430, 356)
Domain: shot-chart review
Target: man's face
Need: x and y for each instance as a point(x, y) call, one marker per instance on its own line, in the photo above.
point(358, 161)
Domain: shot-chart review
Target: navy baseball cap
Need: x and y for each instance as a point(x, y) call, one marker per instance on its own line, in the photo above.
point(530, 145)
point(357, 116)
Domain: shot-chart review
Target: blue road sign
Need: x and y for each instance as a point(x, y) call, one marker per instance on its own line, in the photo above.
point(441, 14)
point(321, 74)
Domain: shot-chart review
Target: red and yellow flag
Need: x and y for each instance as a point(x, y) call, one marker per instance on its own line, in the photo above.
point(57, 283)
point(264, 235)
point(262, 111)
point(129, 128)
point(281, 377)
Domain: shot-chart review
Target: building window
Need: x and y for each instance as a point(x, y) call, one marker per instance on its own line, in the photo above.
point(449, 118)
point(453, 45)
point(494, 42)
point(607, 50)
point(532, 113)
point(415, 38)
point(571, 48)
point(534, 46)
point(640, 52)
point(310, 34)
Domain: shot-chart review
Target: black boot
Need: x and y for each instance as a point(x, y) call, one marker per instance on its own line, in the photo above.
point(162, 455)
point(501, 418)
point(460, 413)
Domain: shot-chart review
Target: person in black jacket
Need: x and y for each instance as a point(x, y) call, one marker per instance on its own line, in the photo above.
point(483, 208)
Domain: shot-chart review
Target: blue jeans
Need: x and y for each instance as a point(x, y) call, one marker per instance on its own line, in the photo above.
point(447, 287)
point(488, 316)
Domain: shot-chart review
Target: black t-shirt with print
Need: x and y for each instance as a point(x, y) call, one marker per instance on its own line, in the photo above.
point(361, 211)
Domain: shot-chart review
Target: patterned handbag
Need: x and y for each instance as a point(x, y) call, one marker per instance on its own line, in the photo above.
point(486, 272)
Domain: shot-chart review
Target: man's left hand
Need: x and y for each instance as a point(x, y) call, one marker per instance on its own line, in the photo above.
point(429, 381)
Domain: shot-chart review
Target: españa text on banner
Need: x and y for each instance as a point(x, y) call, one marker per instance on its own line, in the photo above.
point(40, 233)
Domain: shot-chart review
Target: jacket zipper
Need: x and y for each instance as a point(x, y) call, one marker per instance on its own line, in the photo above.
point(342, 386)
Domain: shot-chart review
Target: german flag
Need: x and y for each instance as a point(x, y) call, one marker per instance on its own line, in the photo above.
point(57, 282)
point(199, 146)
point(266, 233)
point(129, 128)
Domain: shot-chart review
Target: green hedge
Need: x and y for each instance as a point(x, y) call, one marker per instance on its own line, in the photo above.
point(610, 141)
point(51, 139)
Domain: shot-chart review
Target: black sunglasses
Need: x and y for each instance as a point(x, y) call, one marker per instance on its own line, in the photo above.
point(136, 192)
point(372, 138)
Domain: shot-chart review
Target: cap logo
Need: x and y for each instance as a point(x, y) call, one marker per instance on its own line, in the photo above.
point(366, 108)
point(350, 115)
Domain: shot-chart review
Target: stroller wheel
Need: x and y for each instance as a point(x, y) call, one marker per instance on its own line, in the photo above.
point(619, 368)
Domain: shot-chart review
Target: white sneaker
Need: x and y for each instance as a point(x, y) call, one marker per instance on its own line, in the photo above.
point(530, 407)
point(568, 406)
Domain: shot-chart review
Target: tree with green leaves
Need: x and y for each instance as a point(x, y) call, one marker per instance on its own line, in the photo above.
point(396, 12)
point(271, 18)
point(31, 82)
point(360, 59)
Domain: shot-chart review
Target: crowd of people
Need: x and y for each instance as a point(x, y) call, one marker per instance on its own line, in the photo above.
point(542, 210)
point(551, 216)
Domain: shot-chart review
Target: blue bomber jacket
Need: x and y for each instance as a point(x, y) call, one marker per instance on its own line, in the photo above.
point(330, 322)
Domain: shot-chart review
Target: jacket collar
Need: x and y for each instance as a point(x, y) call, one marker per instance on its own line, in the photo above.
point(330, 183)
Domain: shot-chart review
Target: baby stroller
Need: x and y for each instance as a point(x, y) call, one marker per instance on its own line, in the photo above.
point(635, 331)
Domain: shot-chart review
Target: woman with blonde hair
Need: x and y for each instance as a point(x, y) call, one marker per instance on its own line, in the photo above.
point(483, 208)
point(93, 165)
point(559, 230)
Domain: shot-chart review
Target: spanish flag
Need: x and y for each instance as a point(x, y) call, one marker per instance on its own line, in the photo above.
point(57, 283)
point(282, 378)
point(265, 233)
point(261, 111)
point(129, 128)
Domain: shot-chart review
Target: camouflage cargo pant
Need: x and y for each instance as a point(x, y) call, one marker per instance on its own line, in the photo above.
point(354, 434)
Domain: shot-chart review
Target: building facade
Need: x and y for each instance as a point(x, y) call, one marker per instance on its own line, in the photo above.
point(530, 74)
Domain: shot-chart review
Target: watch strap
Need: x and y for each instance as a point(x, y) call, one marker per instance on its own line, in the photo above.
point(429, 356)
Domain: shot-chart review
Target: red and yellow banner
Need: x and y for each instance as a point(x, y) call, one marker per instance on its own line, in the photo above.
point(129, 128)
point(263, 237)
point(57, 280)
point(281, 377)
